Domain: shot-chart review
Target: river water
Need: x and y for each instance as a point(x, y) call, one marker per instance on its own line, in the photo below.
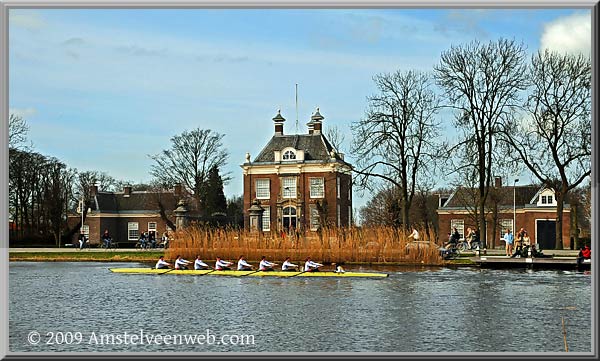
point(79, 306)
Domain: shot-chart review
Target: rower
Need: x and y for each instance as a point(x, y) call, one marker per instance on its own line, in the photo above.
point(162, 264)
point(266, 265)
point(199, 265)
point(181, 263)
point(310, 266)
point(243, 265)
point(289, 266)
point(221, 265)
point(338, 268)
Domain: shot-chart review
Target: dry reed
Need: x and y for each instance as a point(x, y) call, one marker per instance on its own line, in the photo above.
point(351, 245)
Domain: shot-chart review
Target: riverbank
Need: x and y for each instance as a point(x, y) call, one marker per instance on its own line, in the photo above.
point(134, 255)
point(58, 255)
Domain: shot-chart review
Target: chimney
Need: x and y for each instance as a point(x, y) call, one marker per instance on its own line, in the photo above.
point(279, 123)
point(316, 120)
point(93, 190)
point(177, 190)
point(310, 127)
point(126, 191)
point(497, 182)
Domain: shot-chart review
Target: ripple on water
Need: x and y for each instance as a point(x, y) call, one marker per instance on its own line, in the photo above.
point(424, 310)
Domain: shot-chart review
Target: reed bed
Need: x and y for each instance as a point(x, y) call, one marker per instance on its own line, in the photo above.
point(349, 245)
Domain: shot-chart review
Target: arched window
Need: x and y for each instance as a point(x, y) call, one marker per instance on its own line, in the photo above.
point(289, 155)
point(289, 218)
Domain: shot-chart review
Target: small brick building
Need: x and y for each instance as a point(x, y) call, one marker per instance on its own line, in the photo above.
point(533, 206)
point(301, 181)
point(126, 214)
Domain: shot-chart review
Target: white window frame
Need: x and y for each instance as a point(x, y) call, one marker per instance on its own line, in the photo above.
point(314, 217)
point(504, 224)
point(263, 191)
point(133, 226)
point(350, 190)
point(155, 228)
point(288, 155)
point(349, 215)
point(85, 230)
point(339, 215)
point(288, 187)
point(317, 187)
point(338, 187)
point(266, 219)
point(460, 227)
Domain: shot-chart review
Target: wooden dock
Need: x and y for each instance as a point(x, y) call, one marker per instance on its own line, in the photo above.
point(535, 263)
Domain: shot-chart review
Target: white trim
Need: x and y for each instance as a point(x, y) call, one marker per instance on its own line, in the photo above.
point(296, 168)
point(118, 215)
point(268, 188)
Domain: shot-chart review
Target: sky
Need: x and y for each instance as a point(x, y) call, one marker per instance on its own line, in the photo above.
point(102, 89)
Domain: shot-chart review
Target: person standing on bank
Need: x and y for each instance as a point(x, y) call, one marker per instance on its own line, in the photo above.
point(509, 240)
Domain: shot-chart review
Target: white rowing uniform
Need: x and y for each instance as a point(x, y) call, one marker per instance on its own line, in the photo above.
point(220, 264)
point(265, 265)
point(287, 265)
point(198, 264)
point(243, 265)
point(309, 265)
point(161, 263)
point(180, 263)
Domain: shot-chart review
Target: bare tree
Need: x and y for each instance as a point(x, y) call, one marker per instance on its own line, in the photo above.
point(17, 131)
point(396, 141)
point(554, 141)
point(335, 136)
point(482, 83)
point(189, 160)
point(382, 209)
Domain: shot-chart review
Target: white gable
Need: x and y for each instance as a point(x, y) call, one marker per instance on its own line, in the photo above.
point(546, 198)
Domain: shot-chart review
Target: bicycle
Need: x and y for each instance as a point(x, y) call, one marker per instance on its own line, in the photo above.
point(108, 245)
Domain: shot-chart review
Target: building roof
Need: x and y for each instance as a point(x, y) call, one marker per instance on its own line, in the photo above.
point(316, 147)
point(136, 201)
point(464, 196)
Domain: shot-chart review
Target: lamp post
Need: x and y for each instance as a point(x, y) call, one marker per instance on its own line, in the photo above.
point(515, 205)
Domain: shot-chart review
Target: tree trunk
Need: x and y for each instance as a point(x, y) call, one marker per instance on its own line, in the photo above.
point(575, 227)
point(482, 224)
point(559, 224)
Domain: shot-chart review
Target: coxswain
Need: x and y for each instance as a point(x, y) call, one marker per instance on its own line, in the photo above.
point(199, 265)
point(338, 268)
point(266, 265)
point(310, 266)
point(289, 266)
point(242, 265)
point(181, 263)
point(162, 264)
point(221, 265)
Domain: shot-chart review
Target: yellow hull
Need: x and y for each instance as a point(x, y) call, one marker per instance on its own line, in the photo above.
point(245, 273)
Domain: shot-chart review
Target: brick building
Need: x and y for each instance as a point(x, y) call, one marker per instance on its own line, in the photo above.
point(126, 214)
point(301, 181)
point(533, 206)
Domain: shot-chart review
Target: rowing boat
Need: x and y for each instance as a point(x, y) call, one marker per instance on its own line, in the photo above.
point(245, 273)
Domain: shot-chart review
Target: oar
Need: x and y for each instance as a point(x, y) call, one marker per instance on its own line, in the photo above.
point(251, 273)
point(172, 269)
point(211, 271)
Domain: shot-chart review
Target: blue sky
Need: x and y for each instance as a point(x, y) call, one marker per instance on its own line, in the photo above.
point(102, 89)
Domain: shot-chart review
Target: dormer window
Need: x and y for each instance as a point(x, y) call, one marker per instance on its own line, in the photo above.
point(289, 155)
point(547, 198)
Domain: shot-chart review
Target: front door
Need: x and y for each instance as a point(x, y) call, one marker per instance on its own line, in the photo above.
point(546, 234)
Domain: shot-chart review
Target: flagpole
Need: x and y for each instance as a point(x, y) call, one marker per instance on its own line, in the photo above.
point(296, 108)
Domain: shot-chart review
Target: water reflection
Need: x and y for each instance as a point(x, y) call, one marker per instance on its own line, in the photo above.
point(414, 310)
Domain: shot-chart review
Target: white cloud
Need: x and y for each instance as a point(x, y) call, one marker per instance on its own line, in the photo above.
point(23, 112)
point(26, 19)
point(570, 34)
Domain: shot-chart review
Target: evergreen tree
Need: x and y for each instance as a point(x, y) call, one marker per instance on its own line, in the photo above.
point(214, 197)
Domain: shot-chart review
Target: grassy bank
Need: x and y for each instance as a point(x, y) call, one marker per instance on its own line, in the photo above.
point(110, 256)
